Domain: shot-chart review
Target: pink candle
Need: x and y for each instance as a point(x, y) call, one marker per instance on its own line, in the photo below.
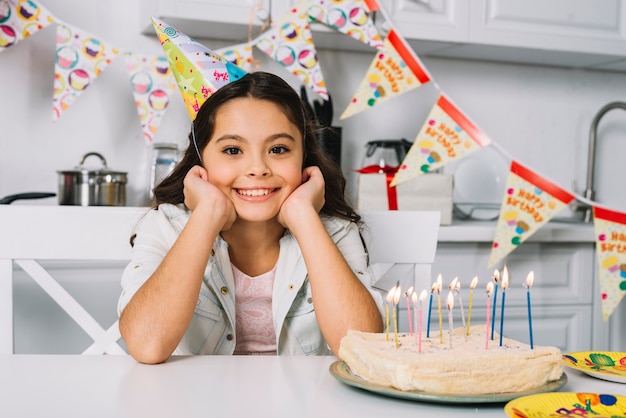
point(489, 290)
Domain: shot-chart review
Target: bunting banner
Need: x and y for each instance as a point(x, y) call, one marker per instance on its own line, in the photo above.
point(80, 59)
point(199, 71)
point(19, 19)
point(290, 43)
point(239, 55)
point(610, 230)
point(529, 202)
point(350, 17)
point(395, 70)
point(447, 135)
point(152, 84)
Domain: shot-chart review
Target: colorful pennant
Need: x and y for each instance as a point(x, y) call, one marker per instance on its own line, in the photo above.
point(290, 43)
point(199, 71)
point(447, 135)
point(20, 19)
point(529, 202)
point(395, 70)
point(80, 59)
point(610, 229)
point(153, 84)
point(350, 17)
point(240, 55)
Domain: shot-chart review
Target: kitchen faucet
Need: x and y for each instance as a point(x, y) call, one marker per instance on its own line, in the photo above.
point(589, 192)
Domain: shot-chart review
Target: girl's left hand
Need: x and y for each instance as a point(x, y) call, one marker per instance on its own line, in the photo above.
point(309, 195)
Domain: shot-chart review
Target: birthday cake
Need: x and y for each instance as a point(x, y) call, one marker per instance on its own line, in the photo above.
point(466, 367)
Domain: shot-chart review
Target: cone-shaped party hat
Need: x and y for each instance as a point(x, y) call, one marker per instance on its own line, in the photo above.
point(199, 72)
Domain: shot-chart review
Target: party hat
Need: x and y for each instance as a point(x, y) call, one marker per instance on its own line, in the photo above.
point(199, 72)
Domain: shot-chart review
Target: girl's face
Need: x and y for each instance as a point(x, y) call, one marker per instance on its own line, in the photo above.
point(255, 157)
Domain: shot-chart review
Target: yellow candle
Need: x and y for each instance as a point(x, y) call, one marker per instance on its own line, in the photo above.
point(439, 286)
point(389, 300)
point(469, 309)
point(396, 300)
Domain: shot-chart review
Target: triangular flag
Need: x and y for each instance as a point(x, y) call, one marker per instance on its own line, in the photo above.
point(291, 45)
point(153, 84)
point(350, 17)
point(240, 55)
point(529, 202)
point(199, 71)
point(395, 70)
point(80, 59)
point(610, 230)
point(20, 19)
point(447, 135)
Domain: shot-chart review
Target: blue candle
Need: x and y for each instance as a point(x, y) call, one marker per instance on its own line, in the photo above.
point(496, 277)
point(505, 284)
point(430, 305)
point(529, 282)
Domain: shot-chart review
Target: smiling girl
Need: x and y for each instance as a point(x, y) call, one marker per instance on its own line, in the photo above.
point(251, 247)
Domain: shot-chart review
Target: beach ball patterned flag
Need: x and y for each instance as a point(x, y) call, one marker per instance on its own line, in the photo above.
point(529, 202)
point(80, 59)
point(610, 230)
point(240, 55)
point(350, 17)
point(152, 84)
point(447, 135)
point(198, 71)
point(291, 45)
point(19, 19)
point(395, 70)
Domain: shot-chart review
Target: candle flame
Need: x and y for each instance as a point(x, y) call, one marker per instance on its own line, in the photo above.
point(496, 275)
point(433, 288)
point(423, 295)
point(457, 286)
point(489, 289)
point(414, 298)
point(474, 282)
point(439, 283)
point(396, 295)
point(450, 301)
point(408, 291)
point(389, 297)
point(453, 283)
point(530, 279)
point(505, 278)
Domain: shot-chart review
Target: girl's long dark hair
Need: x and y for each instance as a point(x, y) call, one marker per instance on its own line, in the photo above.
point(262, 86)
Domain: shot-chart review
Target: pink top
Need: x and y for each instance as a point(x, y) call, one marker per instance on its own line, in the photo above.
point(253, 308)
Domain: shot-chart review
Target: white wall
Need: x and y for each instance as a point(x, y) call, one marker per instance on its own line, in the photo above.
point(539, 115)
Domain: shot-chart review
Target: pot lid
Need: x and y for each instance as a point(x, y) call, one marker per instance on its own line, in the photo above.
point(104, 170)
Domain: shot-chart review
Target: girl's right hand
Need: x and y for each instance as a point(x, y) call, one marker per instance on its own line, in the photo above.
point(201, 193)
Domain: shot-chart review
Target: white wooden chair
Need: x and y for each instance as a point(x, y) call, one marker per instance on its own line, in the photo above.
point(30, 234)
point(402, 247)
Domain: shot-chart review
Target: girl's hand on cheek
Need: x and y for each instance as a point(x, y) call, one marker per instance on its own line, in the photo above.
point(308, 196)
point(201, 193)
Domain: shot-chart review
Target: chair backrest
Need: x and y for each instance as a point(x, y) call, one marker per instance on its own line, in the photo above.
point(402, 246)
point(30, 234)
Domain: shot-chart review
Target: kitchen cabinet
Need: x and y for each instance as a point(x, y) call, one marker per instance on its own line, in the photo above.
point(575, 33)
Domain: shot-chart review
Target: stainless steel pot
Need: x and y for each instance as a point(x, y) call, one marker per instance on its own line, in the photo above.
point(84, 187)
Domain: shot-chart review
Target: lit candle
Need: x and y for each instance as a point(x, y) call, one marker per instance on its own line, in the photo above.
point(489, 290)
point(450, 303)
point(414, 300)
point(407, 294)
point(495, 277)
point(505, 284)
point(529, 283)
point(473, 284)
point(389, 300)
point(422, 298)
point(439, 288)
point(396, 300)
point(457, 291)
point(433, 288)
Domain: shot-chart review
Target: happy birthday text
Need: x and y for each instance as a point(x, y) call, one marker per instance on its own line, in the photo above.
point(616, 243)
point(446, 137)
point(392, 72)
point(527, 202)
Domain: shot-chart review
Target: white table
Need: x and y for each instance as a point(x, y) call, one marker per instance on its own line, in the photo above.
point(115, 386)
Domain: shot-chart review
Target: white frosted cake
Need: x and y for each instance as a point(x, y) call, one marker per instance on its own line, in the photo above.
point(466, 368)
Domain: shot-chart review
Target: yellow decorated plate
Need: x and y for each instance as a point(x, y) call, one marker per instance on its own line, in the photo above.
point(606, 365)
point(342, 372)
point(567, 404)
